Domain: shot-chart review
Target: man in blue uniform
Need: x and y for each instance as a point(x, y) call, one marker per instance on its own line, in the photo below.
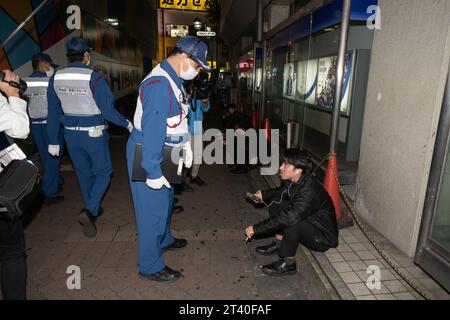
point(80, 99)
point(161, 121)
point(36, 94)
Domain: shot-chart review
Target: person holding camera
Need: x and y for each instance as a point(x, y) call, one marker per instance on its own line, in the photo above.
point(199, 105)
point(36, 94)
point(301, 211)
point(14, 122)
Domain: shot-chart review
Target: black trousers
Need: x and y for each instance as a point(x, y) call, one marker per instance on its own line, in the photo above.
point(303, 232)
point(12, 261)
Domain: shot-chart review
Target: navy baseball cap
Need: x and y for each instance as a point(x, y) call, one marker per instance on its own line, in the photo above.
point(77, 45)
point(196, 49)
point(44, 57)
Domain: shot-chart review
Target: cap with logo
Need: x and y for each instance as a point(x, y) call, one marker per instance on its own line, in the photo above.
point(195, 49)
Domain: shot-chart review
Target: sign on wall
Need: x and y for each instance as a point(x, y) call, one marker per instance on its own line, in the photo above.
point(193, 5)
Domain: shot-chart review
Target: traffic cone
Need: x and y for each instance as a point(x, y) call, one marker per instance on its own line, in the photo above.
point(267, 129)
point(331, 185)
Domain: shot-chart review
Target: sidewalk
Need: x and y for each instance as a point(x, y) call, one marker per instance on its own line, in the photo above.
point(216, 264)
point(346, 267)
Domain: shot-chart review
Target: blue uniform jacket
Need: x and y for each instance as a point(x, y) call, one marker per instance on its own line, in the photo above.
point(158, 103)
point(37, 74)
point(196, 116)
point(103, 97)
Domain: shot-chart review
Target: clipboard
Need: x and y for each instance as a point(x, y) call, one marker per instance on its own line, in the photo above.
point(170, 170)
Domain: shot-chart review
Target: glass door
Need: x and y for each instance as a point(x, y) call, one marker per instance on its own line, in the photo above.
point(433, 253)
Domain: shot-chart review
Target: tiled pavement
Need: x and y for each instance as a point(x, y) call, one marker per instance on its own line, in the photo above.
point(217, 264)
point(346, 267)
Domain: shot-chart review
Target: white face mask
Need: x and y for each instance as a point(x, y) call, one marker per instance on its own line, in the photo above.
point(50, 72)
point(190, 74)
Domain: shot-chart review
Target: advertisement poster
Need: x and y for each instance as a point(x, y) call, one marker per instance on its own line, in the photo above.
point(307, 81)
point(326, 83)
point(258, 80)
point(290, 81)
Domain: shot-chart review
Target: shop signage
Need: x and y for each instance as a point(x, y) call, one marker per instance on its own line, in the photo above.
point(206, 34)
point(193, 5)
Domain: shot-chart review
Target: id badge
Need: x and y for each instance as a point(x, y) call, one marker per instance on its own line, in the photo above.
point(95, 133)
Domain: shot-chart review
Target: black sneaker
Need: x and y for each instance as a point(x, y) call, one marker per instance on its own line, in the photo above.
point(166, 274)
point(281, 267)
point(177, 244)
point(87, 220)
point(187, 187)
point(198, 181)
point(268, 250)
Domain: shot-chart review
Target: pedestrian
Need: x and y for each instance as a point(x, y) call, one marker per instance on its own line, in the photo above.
point(81, 100)
point(43, 69)
point(14, 122)
point(199, 105)
point(301, 211)
point(160, 123)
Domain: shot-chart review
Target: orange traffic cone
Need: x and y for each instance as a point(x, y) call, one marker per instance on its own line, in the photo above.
point(267, 129)
point(330, 184)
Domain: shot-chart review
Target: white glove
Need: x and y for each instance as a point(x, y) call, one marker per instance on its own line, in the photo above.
point(130, 126)
point(53, 150)
point(157, 184)
point(189, 155)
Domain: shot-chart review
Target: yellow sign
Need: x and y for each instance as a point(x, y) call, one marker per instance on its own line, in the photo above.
point(194, 5)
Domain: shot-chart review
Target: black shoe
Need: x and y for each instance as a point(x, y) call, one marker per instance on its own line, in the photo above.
point(280, 268)
point(175, 200)
point(177, 244)
point(166, 274)
point(52, 201)
point(187, 188)
point(268, 250)
point(87, 220)
point(177, 209)
point(198, 181)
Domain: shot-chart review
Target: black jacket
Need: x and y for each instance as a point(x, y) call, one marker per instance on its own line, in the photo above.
point(308, 200)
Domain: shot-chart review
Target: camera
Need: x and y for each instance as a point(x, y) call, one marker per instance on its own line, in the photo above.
point(22, 86)
point(202, 86)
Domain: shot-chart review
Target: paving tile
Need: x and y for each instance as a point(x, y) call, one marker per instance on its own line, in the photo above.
point(366, 255)
point(385, 297)
point(344, 248)
point(404, 296)
point(350, 277)
point(342, 267)
point(359, 289)
point(395, 286)
point(350, 256)
point(358, 265)
point(335, 257)
point(366, 297)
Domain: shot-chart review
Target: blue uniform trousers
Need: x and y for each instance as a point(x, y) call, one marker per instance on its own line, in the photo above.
point(153, 210)
point(92, 162)
point(50, 165)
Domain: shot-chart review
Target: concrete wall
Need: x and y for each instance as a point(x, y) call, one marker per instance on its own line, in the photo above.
point(409, 66)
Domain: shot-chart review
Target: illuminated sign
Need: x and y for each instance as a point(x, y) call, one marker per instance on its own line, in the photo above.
point(193, 5)
point(206, 34)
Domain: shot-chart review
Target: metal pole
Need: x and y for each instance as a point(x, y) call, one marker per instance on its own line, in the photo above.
point(23, 23)
point(163, 35)
point(340, 74)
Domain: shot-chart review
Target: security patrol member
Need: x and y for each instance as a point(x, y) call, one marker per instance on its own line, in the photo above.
point(161, 119)
point(80, 99)
point(36, 94)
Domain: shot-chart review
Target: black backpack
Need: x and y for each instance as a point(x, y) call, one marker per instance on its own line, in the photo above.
point(20, 185)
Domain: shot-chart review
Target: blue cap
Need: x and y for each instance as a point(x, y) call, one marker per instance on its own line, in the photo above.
point(195, 49)
point(44, 57)
point(77, 45)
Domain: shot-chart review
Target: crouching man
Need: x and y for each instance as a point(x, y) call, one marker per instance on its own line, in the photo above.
point(301, 211)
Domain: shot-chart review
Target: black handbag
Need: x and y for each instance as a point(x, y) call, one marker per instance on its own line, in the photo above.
point(20, 183)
